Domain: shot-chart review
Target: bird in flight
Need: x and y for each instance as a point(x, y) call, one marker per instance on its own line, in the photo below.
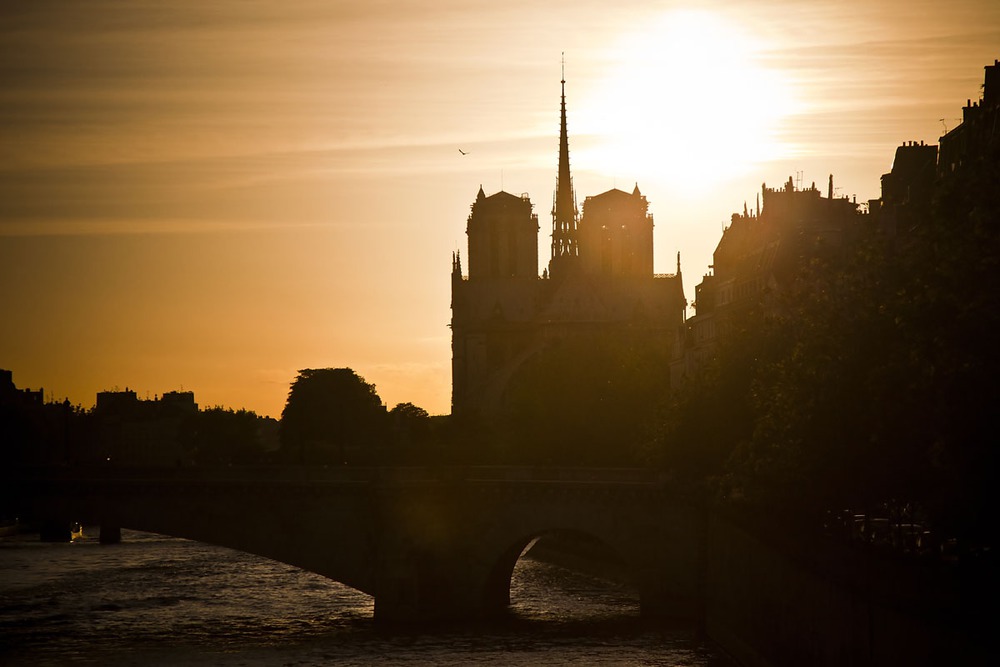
point(462, 152)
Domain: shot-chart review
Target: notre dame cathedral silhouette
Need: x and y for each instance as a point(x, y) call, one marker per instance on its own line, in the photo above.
point(599, 284)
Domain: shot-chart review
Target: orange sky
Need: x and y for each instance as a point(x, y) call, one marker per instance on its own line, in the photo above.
point(212, 195)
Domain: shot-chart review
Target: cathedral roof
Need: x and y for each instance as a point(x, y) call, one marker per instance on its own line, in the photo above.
point(503, 200)
point(616, 194)
point(502, 195)
point(502, 203)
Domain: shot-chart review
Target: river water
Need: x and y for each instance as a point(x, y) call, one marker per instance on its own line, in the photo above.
point(154, 600)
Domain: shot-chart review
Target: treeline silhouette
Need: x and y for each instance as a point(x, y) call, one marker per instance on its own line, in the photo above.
point(61, 434)
point(332, 417)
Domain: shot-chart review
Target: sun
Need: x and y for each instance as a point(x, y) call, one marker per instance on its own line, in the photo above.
point(688, 100)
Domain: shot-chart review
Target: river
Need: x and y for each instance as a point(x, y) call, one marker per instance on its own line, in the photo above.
point(155, 600)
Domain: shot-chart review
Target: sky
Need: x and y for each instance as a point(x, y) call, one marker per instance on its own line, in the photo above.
point(211, 195)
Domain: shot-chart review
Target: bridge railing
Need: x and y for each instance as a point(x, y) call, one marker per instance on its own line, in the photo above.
point(346, 474)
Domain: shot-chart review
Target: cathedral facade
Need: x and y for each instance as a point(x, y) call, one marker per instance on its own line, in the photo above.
point(599, 286)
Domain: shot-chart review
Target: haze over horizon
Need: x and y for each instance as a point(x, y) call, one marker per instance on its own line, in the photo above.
point(214, 195)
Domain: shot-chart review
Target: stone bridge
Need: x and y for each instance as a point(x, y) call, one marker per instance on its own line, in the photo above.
point(427, 543)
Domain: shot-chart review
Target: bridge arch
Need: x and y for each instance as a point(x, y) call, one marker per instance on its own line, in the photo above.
point(325, 528)
point(657, 539)
point(331, 569)
point(563, 546)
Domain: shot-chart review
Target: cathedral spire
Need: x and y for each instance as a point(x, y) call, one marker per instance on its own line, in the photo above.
point(564, 211)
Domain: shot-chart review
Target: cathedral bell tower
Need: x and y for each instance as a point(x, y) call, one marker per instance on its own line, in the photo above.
point(492, 308)
point(503, 238)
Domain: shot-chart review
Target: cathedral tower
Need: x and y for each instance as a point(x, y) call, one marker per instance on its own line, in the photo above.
point(503, 237)
point(616, 235)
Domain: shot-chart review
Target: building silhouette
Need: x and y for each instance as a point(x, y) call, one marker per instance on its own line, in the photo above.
point(11, 396)
point(919, 169)
point(760, 254)
point(977, 138)
point(599, 285)
point(763, 251)
point(23, 426)
point(907, 188)
point(134, 431)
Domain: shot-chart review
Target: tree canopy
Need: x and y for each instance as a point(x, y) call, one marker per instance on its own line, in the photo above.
point(329, 411)
point(220, 435)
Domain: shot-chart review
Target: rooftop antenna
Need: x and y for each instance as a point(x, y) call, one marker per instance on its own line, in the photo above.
point(945, 124)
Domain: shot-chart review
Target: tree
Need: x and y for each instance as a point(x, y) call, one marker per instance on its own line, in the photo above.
point(225, 436)
point(712, 414)
point(410, 423)
point(329, 415)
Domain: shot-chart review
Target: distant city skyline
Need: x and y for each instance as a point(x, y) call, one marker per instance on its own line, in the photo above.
point(212, 196)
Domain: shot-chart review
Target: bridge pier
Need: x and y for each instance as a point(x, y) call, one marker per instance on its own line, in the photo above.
point(110, 534)
point(55, 530)
point(671, 597)
point(420, 590)
point(660, 603)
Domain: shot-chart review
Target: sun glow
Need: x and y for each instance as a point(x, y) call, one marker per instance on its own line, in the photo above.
point(689, 101)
